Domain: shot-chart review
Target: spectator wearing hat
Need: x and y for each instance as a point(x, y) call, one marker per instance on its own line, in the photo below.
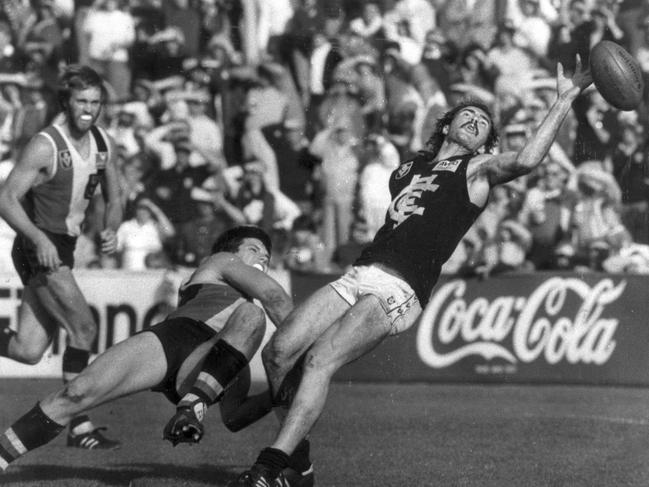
point(109, 32)
point(142, 235)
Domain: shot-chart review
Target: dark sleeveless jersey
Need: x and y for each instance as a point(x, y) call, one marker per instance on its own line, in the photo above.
point(210, 303)
point(429, 214)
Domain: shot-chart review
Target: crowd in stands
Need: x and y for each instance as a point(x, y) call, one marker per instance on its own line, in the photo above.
point(291, 115)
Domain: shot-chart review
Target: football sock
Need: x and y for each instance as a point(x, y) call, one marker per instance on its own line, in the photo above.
point(5, 337)
point(222, 365)
point(32, 430)
point(74, 361)
point(274, 460)
point(300, 460)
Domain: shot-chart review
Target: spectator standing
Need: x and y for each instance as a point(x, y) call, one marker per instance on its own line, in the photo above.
point(373, 187)
point(143, 235)
point(336, 147)
point(109, 32)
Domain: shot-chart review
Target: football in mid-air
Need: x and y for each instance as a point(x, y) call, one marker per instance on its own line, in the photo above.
point(616, 75)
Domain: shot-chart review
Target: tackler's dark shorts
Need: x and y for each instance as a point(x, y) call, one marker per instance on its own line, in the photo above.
point(179, 338)
point(24, 257)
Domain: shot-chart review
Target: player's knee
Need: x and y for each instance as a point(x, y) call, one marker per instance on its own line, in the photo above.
point(83, 334)
point(318, 363)
point(80, 391)
point(29, 354)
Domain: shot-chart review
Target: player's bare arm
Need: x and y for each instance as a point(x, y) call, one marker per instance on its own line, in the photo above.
point(33, 168)
point(114, 211)
point(501, 168)
point(258, 285)
point(230, 269)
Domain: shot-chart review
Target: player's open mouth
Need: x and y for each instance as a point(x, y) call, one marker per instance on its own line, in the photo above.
point(86, 118)
point(470, 127)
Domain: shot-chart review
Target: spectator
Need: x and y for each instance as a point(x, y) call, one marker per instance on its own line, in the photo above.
point(170, 189)
point(180, 14)
point(295, 163)
point(506, 252)
point(261, 206)
point(306, 250)
point(109, 31)
point(631, 170)
point(215, 214)
point(597, 131)
point(373, 190)
point(597, 229)
point(143, 235)
point(547, 212)
point(336, 147)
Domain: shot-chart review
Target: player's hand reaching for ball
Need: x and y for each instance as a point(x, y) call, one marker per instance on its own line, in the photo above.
point(570, 87)
point(108, 241)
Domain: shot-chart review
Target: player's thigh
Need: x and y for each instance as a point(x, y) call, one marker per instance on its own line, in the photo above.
point(63, 299)
point(135, 364)
point(245, 328)
point(358, 331)
point(308, 321)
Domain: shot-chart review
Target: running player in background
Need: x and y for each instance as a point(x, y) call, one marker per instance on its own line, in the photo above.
point(44, 199)
point(215, 330)
point(436, 197)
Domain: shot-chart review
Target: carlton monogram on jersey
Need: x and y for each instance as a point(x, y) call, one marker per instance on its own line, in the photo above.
point(429, 214)
point(407, 201)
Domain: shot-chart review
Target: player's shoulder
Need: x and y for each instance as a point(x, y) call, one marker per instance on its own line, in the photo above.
point(39, 150)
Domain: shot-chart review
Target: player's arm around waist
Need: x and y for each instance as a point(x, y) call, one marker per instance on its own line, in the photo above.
point(256, 284)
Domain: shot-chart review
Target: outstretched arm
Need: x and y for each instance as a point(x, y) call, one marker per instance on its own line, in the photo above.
point(510, 165)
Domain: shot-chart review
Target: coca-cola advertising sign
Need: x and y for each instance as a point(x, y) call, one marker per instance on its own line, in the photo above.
point(543, 327)
point(520, 328)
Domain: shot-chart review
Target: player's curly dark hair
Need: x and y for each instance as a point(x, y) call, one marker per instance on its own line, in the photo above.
point(434, 143)
point(79, 77)
point(230, 240)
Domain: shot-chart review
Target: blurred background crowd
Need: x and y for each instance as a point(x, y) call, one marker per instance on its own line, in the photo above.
point(291, 115)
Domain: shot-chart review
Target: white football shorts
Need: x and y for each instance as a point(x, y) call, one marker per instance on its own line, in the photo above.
point(397, 298)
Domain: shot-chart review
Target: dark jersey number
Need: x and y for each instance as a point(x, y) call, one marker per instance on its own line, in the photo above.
point(93, 181)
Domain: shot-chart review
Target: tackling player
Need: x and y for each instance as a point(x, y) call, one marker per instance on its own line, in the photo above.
point(436, 197)
point(216, 309)
point(44, 199)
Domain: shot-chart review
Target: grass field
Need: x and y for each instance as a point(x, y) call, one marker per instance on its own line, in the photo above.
point(372, 435)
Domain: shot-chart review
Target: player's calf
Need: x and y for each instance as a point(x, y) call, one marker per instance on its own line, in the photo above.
point(32, 430)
